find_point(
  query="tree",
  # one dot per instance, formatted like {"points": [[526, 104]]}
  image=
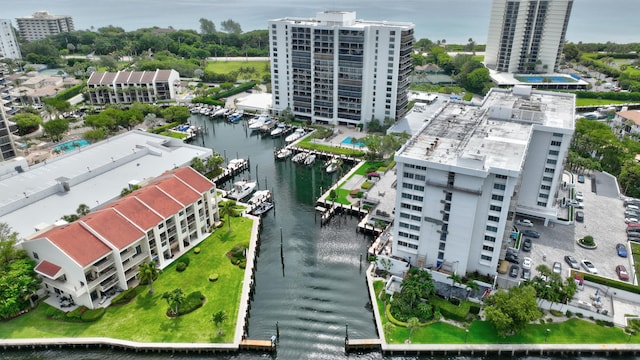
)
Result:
{"points": [[18, 280], [174, 299], [148, 272], [218, 319], [571, 52], [94, 135], [27, 123], [55, 128], [231, 27], [207, 27], [176, 114], [510, 311], [413, 324], [472, 285], [109, 62], [228, 208], [455, 279], [82, 210]]}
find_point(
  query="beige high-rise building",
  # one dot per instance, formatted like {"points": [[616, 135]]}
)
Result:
{"points": [[42, 24]]}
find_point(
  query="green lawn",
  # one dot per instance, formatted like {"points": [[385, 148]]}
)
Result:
{"points": [[144, 318], [225, 67], [598, 102], [572, 331], [361, 170]]}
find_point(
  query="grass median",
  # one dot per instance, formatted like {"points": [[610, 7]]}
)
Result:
{"points": [[144, 319]]}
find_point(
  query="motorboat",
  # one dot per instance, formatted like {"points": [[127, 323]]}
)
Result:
{"points": [[241, 189], [227, 112], [298, 158], [259, 196], [309, 160], [333, 165], [253, 120], [259, 122], [262, 208], [278, 130], [235, 163], [219, 112], [236, 116], [267, 126], [297, 134], [283, 153]]}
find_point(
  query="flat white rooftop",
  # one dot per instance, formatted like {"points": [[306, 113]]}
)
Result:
{"points": [[93, 175], [342, 19], [495, 134]]}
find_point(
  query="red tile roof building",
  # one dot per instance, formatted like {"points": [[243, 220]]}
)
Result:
{"points": [[101, 251], [131, 86]]}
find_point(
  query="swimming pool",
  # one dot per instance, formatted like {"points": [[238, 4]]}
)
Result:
{"points": [[347, 141], [547, 79], [71, 145]]}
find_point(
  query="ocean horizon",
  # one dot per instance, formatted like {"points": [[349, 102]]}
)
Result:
{"points": [[453, 20]]}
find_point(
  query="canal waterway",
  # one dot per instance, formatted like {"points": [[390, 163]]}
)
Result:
{"points": [[312, 292]]}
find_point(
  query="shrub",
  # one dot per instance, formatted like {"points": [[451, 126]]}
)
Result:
{"points": [[604, 323], [196, 250], [366, 185], [568, 314], [180, 267], [587, 241], [557, 313], [474, 309], [76, 314], [185, 260], [242, 264], [192, 302], [454, 301], [549, 320], [124, 297], [93, 315], [580, 315], [213, 277]]}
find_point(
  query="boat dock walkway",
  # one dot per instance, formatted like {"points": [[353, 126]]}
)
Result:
{"points": [[238, 167]]}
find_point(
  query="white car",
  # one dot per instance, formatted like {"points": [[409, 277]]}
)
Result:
{"points": [[526, 263], [588, 265], [579, 196], [630, 220], [524, 222]]}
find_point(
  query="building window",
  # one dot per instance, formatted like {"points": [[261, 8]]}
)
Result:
{"points": [[556, 143], [487, 248], [408, 175], [490, 238], [421, 177], [404, 215], [407, 186], [35, 255], [499, 186], [497, 197], [495, 208], [552, 161], [493, 218], [418, 187], [486, 257], [498, 176], [542, 203], [492, 228], [417, 198], [440, 255], [549, 170], [557, 134], [554, 152]]}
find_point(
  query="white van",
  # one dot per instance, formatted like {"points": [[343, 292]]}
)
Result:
{"points": [[633, 207]]}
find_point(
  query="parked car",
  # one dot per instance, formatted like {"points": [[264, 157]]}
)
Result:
{"points": [[524, 222], [527, 244], [526, 263], [622, 273], [531, 233], [579, 196], [631, 201], [576, 204], [557, 267], [526, 274], [632, 213], [512, 258], [514, 270], [573, 263], [580, 216], [621, 249], [629, 220], [581, 179], [588, 265]]}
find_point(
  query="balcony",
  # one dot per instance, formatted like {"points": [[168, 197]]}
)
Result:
{"points": [[102, 277], [108, 284], [103, 264], [135, 261]]}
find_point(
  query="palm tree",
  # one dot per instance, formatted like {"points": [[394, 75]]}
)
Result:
{"points": [[83, 209], [219, 318], [455, 279], [472, 285], [229, 209], [413, 323], [147, 272], [174, 299]]}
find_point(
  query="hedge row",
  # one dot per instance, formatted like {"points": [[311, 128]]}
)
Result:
{"points": [[79, 314], [207, 100], [70, 92], [159, 129], [451, 311], [236, 90], [611, 95], [124, 297], [612, 283]]}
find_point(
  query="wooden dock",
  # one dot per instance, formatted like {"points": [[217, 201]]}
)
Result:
{"points": [[362, 345], [230, 172], [258, 345]]}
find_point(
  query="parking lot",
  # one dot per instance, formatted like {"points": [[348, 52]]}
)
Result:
{"points": [[603, 219]]}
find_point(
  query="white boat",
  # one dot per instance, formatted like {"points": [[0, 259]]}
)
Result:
{"points": [[241, 189], [333, 165], [262, 208], [253, 120], [278, 130], [227, 112], [309, 160], [236, 116], [235, 163], [219, 112], [298, 158], [256, 125], [259, 196], [283, 153], [297, 134]]}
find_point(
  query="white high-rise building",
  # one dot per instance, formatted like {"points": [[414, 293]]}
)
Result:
{"points": [[339, 70], [462, 178], [527, 36], [42, 24], [8, 43]]}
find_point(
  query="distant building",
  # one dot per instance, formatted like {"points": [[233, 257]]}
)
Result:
{"points": [[42, 24], [8, 43], [103, 250], [527, 36], [124, 87], [627, 122], [462, 179], [339, 70]]}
